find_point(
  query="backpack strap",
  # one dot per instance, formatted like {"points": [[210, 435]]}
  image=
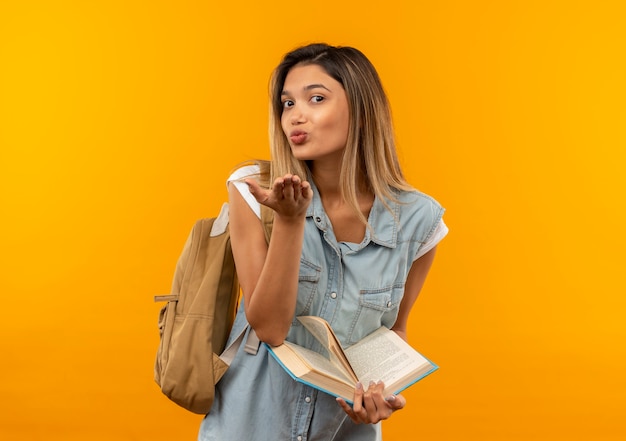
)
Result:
{"points": [[252, 343], [251, 346], [166, 298], [221, 221], [229, 353]]}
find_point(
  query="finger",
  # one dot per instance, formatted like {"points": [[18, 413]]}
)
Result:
{"points": [[347, 409], [288, 187], [296, 183], [277, 188], [305, 190], [369, 403], [378, 408], [383, 408], [357, 407]]}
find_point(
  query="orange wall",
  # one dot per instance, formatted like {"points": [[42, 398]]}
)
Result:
{"points": [[119, 122]]}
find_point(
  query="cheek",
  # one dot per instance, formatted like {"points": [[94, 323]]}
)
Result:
{"points": [[284, 125], [342, 127]]}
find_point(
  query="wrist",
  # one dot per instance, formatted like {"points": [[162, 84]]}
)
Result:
{"points": [[288, 220]]}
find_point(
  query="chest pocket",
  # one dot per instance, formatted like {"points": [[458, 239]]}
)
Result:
{"points": [[308, 280], [377, 307]]}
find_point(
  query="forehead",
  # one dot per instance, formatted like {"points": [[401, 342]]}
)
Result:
{"points": [[301, 76]]}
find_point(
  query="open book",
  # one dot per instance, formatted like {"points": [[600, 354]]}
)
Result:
{"points": [[382, 355]]}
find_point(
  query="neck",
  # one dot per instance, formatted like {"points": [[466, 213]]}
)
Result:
{"points": [[326, 178]]}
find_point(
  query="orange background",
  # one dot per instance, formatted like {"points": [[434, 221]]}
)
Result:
{"points": [[119, 122]]}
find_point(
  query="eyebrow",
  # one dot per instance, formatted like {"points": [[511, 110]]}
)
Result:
{"points": [[309, 87]]}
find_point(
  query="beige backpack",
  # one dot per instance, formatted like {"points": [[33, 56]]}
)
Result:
{"points": [[196, 321]]}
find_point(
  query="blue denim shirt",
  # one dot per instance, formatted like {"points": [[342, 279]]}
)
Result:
{"points": [[356, 288]]}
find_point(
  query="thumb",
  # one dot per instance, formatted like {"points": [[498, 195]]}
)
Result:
{"points": [[257, 191], [396, 401]]}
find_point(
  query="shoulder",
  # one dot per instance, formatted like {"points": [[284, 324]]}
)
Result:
{"points": [[244, 172], [414, 201], [413, 197], [419, 212], [237, 177]]}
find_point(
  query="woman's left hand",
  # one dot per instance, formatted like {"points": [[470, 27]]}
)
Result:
{"points": [[371, 406]]}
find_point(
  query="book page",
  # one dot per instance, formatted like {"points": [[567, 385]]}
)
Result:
{"points": [[383, 355], [320, 363], [318, 329], [321, 330]]}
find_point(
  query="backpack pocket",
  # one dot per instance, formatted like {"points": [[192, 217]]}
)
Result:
{"points": [[165, 331]]}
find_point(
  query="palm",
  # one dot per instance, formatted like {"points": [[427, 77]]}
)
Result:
{"points": [[289, 196]]}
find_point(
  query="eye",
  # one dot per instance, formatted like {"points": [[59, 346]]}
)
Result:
{"points": [[317, 98], [287, 104]]}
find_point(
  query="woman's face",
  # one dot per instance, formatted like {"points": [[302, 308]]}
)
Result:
{"points": [[315, 115]]}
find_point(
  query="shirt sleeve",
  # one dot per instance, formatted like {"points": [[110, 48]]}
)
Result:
{"points": [[237, 179], [441, 230]]}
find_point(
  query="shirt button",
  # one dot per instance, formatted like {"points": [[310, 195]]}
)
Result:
{"points": [[388, 304], [307, 399], [299, 437], [318, 219], [333, 295]]}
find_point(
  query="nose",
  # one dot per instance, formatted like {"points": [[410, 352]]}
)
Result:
{"points": [[296, 116]]}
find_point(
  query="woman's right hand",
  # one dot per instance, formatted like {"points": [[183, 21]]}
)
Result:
{"points": [[268, 274], [289, 196]]}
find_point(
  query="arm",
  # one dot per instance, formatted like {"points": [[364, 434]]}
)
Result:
{"points": [[371, 406], [414, 283], [269, 275]]}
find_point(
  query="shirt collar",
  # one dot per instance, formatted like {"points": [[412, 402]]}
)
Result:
{"points": [[382, 220]]}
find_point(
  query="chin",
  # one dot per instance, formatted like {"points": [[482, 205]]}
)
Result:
{"points": [[299, 154]]}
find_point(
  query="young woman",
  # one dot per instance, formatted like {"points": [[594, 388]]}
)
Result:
{"points": [[352, 242]]}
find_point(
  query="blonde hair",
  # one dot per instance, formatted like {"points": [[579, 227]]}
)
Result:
{"points": [[370, 151]]}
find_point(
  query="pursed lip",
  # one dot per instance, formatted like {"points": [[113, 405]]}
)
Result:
{"points": [[298, 136]]}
